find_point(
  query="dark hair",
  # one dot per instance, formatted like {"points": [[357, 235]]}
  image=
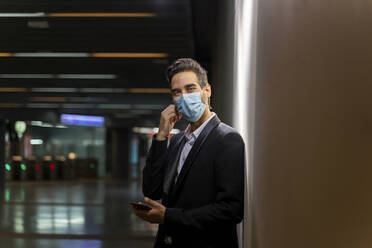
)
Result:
{"points": [[187, 64]]}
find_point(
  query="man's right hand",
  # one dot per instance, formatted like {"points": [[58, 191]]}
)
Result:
{"points": [[168, 118]]}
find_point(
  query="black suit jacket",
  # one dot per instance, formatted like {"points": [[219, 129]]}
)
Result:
{"points": [[207, 200]]}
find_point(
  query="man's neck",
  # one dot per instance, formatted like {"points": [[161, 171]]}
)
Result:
{"points": [[194, 125]]}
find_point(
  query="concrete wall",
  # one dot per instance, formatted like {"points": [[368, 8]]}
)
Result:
{"points": [[313, 129]]}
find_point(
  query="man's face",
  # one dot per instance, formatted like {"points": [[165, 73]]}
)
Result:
{"points": [[187, 82]]}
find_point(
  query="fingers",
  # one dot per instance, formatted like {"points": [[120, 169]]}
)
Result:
{"points": [[141, 213], [169, 112], [168, 118], [171, 115], [152, 203]]}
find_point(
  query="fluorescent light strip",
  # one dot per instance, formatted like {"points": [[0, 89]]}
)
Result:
{"points": [[13, 89], [101, 14], [86, 76], [89, 90], [59, 76], [85, 55], [42, 14], [46, 125], [79, 106], [102, 90], [48, 99], [42, 105], [27, 76], [66, 55], [114, 106], [60, 90], [130, 55], [11, 105], [38, 14], [149, 90], [36, 142], [36, 123], [89, 99], [5, 54], [60, 126], [149, 106]]}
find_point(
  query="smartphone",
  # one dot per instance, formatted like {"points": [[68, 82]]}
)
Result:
{"points": [[140, 206]]}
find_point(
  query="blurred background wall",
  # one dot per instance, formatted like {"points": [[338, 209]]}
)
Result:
{"points": [[312, 185]]}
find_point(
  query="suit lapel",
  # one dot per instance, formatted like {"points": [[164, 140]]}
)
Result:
{"points": [[194, 152], [173, 162]]}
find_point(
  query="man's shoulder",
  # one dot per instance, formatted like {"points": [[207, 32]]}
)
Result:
{"points": [[224, 131]]}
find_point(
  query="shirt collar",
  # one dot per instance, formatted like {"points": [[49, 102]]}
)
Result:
{"points": [[192, 136]]}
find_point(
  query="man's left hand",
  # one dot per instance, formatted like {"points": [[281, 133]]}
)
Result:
{"points": [[155, 215]]}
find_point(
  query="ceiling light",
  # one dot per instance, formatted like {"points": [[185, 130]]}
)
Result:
{"points": [[5, 54], [11, 105], [78, 106], [59, 76], [130, 55], [64, 90], [49, 54], [86, 76], [37, 14], [42, 105], [60, 126], [36, 142], [88, 99], [36, 123], [13, 89], [27, 76], [102, 90], [85, 55], [149, 106], [47, 125], [149, 90], [114, 106], [101, 14], [42, 14], [48, 99]]}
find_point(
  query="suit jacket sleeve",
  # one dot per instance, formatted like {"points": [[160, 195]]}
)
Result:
{"points": [[153, 173], [229, 205]]}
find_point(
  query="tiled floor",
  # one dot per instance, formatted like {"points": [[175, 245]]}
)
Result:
{"points": [[72, 214]]}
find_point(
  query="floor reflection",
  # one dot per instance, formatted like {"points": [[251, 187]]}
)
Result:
{"points": [[73, 214]]}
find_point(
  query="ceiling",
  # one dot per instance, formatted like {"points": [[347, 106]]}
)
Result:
{"points": [[96, 57]]}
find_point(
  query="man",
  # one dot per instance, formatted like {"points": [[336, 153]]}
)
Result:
{"points": [[199, 176]]}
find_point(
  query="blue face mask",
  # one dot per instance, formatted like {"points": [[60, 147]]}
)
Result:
{"points": [[191, 106]]}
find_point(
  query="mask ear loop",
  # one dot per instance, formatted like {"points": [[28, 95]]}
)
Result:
{"points": [[209, 100]]}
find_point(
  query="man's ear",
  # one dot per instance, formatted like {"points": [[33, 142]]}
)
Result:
{"points": [[208, 90]]}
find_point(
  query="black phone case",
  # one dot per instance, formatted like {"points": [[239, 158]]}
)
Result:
{"points": [[140, 206]]}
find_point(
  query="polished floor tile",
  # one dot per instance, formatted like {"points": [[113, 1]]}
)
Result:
{"points": [[72, 214]]}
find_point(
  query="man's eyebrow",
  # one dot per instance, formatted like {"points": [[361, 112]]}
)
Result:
{"points": [[186, 86], [189, 85]]}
